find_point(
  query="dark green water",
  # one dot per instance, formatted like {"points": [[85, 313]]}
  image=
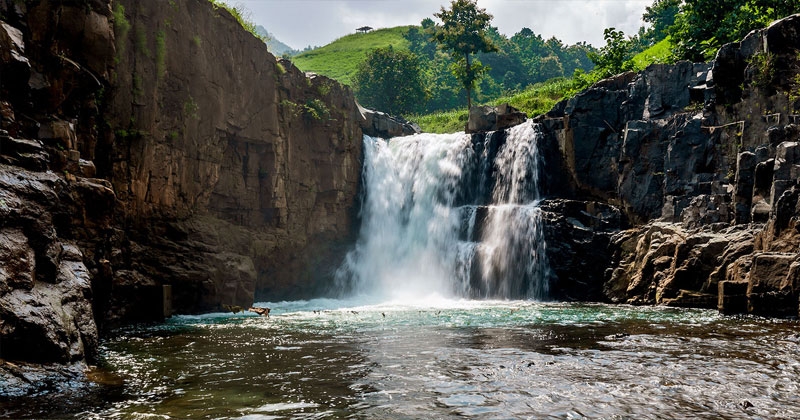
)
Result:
{"points": [[449, 360]]}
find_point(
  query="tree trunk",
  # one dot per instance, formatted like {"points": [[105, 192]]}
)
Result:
{"points": [[468, 83]]}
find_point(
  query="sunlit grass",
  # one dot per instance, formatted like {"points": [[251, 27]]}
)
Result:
{"points": [[339, 60], [658, 53], [535, 100]]}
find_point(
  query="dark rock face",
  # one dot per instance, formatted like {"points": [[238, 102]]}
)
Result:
{"points": [[56, 217], [153, 158], [237, 173], [578, 234], [703, 159]]}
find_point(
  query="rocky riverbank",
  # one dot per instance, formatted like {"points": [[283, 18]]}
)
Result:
{"points": [[156, 158], [702, 161]]}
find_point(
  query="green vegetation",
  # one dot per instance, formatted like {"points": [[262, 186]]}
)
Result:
{"points": [[535, 100], [161, 54], [764, 66], [521, 61], [242, 15], [138, 86], [615, 56], [316, 109], [392, 81], [340, 59], [702, 26], [442, 121], [532, 73], [140, 40], [659, 53], [121, 29], [191, 109], [540, 97], [463, 33]]}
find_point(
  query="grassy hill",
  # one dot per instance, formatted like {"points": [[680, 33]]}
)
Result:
{"points": [[339, 60]]}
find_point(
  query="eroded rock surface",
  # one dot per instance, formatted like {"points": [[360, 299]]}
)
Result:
{"points": [[703, 160], [151, 150]]}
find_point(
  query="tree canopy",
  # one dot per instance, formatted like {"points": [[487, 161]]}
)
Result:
{"points": [[702, 26], [391, 80], [463, 33]]}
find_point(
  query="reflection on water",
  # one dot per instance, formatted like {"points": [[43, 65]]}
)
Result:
{"points": [[333, 359]]}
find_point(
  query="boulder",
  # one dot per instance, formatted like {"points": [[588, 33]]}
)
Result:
{"points": [[492, 118], [380, 124], [770, 289]]}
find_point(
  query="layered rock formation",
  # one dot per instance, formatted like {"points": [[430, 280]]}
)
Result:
{"points": [[238, 174], [56, 215], [703, 160], [154, 157]]}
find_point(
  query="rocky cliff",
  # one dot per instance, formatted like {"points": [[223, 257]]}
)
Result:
{"points": [[152, 149], [236, 172], [702, 159]]}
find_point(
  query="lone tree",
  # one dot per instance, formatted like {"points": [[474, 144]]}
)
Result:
{"points": [[463, 33]]}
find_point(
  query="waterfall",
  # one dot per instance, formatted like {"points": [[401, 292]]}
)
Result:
{"points": [[449, 215]]}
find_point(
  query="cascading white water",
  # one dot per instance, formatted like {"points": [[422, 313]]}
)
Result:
{"points": [[443, 215]]}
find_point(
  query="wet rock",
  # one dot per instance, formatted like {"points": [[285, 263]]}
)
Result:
{"points": [[732, 297], [28, 154], [19, 379], [745, 179], [666, 264], [692, 299], [578, 234], [50, 322]]}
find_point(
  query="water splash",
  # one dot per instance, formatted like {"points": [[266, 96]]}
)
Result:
{"points": [[451, 216]]}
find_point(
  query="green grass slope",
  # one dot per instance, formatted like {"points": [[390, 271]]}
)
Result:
{"points": [[339, 60], [534, 100], [661, 52]]}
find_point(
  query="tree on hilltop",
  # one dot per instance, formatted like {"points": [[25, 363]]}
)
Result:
{"points": [[463, 33]]}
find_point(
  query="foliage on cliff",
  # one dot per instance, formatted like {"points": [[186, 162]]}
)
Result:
{"points": [[242, 15], [702, 26]]}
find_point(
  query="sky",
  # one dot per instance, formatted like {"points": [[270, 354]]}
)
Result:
{"points": [[300, 23]]}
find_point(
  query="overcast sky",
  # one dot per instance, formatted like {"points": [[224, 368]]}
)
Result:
{"points": [[300, 23]]}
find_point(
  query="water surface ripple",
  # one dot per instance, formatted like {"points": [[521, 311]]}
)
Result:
{"points": [[452, 359]]}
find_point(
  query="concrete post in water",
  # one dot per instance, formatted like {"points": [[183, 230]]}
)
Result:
{"points": [[167, 300]]}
